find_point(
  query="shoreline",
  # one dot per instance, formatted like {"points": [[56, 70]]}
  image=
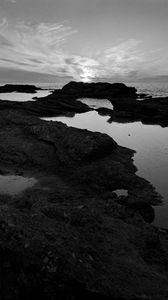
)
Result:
{"points": [[126, 104], [71, 233]]}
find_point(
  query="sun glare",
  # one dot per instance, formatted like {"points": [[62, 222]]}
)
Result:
{"points": [[87, 76]]}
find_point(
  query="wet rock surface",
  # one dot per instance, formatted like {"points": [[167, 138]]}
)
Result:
{"points": [[70, 236]]}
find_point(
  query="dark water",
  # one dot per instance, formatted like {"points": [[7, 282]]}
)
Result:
{"points": [[150, 143]]}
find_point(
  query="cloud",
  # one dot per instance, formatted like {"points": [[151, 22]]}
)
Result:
{"points": [[43, 48], [39, 46], [123, 58], [127, 59], [86, 67], [11, 1]]}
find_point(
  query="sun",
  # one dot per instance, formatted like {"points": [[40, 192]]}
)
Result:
{"points": [[87, 75]]}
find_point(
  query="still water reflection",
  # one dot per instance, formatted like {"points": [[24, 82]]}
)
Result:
{"points": [[96, 103], [14, 96], [13, 185], [150, 143]]}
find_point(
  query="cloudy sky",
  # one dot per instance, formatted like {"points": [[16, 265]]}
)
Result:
{"points": [[84, 39]]}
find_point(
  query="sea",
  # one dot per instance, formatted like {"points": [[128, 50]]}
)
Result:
{"points": [[149, 141], [154, 89]]}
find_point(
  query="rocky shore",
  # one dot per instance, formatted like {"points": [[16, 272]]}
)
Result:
{"points": [[19, 88], [70, 236], [126, 104]]}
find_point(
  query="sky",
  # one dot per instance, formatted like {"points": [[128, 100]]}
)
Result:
{"points": [[84, 39]]}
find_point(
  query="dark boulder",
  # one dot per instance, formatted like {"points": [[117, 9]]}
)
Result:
{"points": [[99, 90], [20, 88]]}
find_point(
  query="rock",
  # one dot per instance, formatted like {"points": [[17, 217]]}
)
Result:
{"points": [[56, 104], [68, 237], [20, 88], [126, 106], [95, 253], [148, 213], [103, 111], [28, 140], [99, 90]]}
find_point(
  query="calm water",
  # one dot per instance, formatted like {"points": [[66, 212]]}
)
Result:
{"points": [[121, 192], [13, 185], [95, 103], [150, 143], [14, 96], [155, 89]]}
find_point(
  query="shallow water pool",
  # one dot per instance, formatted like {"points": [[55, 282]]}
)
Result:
{"points": [[96, 103], [14, 96], [150, 143], [14, 184]]}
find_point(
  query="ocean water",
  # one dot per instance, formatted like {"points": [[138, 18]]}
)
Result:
{"points": [[154, 89]]}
